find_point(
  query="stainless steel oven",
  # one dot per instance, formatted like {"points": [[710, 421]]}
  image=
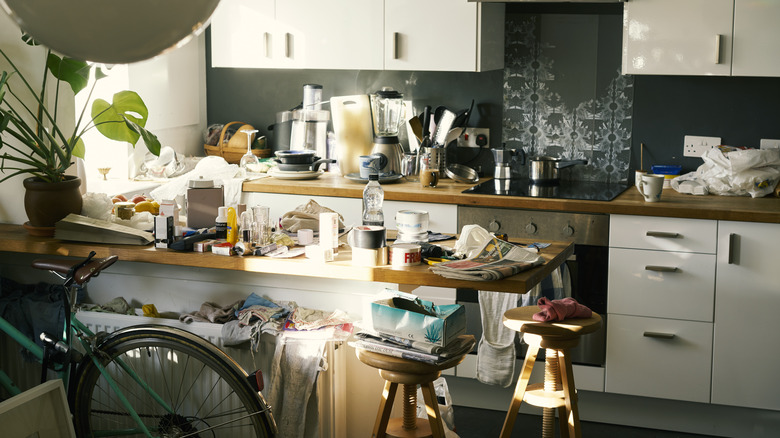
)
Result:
{"points": [[588, 265]]}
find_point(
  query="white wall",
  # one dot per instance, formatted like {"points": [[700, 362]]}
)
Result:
{"points": [[30, 60]]}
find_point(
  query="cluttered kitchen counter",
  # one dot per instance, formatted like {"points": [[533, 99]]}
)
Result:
{"points": [[630, 202], [13, 238]]}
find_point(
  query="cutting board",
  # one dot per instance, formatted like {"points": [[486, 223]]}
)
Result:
{"points": [[353, 130]]}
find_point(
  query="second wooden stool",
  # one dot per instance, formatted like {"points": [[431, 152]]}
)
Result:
{"points": [[409, 373], [558, 390]]}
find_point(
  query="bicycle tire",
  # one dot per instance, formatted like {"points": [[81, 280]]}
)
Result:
{"points": [[207, 390]]}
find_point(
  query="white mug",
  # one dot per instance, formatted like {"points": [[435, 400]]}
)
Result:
{"points": [[651, 186], [638, 174]]}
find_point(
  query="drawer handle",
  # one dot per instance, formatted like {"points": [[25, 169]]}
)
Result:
{"points": [[661, 268], [663, 234], [659, 335]]}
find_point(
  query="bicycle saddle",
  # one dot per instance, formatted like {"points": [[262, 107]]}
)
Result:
{"points": [[82, 274]]}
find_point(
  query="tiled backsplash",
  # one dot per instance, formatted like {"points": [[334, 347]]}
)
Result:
{"points": [[565, 97]]}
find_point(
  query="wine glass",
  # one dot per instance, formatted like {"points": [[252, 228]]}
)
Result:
{"points": [[249, 161]]}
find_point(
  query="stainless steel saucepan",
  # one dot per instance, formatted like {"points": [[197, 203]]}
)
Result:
{"points": [[545, 170]]}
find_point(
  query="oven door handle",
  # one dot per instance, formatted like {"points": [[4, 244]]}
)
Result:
{"points": [[662, 268], [658, 335]]}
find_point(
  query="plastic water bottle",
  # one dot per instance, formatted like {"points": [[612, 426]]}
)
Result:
{"points": [[373, 196]]}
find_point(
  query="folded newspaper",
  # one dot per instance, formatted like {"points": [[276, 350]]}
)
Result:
{"points": [[498, 259]]}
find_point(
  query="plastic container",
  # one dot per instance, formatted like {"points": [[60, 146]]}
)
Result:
{"points": [[669, 171]]}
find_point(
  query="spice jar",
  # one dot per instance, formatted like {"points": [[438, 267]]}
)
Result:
{"points": [[124, 210]]}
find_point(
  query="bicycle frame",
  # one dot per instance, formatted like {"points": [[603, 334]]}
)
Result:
{"points": [[77, 328]]}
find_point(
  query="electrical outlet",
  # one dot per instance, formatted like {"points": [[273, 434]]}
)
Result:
{"points": [[696, 146], [474, 138], [769, 144]]}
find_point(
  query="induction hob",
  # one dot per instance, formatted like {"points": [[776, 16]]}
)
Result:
{"points": [[583, 190]]}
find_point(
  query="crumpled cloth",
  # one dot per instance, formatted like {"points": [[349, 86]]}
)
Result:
{"points": [[117, 305], [306, 216], [312, 319], [210, 312], [558, 310]]}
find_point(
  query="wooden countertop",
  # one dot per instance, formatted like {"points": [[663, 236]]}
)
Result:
{"points": [[13, 238], [672, 204]]}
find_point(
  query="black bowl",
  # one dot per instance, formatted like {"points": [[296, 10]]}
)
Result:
{"points": [[296, 157]]}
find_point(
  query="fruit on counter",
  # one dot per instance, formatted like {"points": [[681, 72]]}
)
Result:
{"points": [[138, 198], [119, 198], [152, 207]]}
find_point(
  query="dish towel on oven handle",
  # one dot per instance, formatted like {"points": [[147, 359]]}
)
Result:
{"points": [[496, 350]]}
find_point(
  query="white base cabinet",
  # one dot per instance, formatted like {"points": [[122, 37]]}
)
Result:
{"points": [[747, 316]]}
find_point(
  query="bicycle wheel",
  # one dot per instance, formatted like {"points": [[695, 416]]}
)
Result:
{"points": [[206, 392]]}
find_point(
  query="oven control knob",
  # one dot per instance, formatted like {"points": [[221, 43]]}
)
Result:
{"points": [[530, 228], [568, 231], [494, 226]]}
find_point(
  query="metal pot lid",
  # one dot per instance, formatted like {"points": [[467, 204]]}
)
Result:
{"points": [[296, 153], [462, 174]]}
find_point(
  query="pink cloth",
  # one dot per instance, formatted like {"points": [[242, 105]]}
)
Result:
{"points": [[558, 310]]}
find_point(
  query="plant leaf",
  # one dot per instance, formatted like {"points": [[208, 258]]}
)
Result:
{"points": [[79, 149], [110, 119], [72, 71], [150, 140]]}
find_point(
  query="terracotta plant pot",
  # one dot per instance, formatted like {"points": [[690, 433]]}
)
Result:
{"points": [[46, 203]]}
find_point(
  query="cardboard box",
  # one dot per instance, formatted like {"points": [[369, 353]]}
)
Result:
{"points": [[203, 205], [448, 324]]}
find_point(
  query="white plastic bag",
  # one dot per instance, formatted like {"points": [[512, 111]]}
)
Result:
{"points": [[472, 239], [447, 413], [737, 172]]}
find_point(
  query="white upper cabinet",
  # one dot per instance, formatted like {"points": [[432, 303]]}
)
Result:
{"points": [[242, 34], [333, 34], [672, 37], [443, 35], [756, 38], [701, 37]]}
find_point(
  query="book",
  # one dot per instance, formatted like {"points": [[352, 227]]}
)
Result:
{"points": [[461, 346], [80, 228]]}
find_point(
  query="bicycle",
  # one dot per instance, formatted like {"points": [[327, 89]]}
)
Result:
{"points": [[144, 380]]}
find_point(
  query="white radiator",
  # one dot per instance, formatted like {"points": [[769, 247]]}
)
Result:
{"points": [[331, 384]]}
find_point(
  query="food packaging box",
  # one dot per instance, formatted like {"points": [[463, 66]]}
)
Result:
{"points": [[203, 205], [163, 231], [447, 323]]}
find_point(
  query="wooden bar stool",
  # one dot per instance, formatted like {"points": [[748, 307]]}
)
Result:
{"points": [[409, 373], [558, 390]]}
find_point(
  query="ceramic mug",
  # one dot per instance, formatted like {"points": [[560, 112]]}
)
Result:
{"points": [[638, 178], [369, 164], [651, 186]]}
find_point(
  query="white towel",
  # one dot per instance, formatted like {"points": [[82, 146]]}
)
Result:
{"points": [[496, 349]]}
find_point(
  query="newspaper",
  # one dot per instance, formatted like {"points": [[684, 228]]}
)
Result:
{"points": [[498, 259]]}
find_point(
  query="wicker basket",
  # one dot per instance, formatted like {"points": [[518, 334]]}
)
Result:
{"points": [[233, 154]]}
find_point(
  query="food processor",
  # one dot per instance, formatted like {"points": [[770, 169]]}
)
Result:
{"points": [[387, 108]]}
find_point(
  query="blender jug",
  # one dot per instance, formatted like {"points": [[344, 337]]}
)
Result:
{"points": [[387, 107]]}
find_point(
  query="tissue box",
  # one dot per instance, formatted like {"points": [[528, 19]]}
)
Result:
{"points": [[440, 330]]}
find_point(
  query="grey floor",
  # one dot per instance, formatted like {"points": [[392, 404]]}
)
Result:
{"points": [[478, 423]]}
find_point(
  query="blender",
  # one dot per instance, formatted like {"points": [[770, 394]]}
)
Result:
{"points": [[310, 123], [387, 107]]}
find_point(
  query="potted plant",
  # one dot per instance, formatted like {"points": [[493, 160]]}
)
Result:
{"points": [[33, 142]]}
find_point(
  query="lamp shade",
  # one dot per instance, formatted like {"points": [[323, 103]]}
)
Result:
{"points": [[111, 31]]}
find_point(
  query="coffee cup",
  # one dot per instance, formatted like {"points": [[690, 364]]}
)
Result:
{"points": [[638, 178], [651, 186], [429, 177], [369, 164]]}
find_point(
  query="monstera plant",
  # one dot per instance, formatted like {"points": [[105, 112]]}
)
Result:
{"points": [[32, 140]]}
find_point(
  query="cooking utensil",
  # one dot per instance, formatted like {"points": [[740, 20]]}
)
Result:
{"points": [[462, 117], [545, 170], [426, 123], [417, 128], [462, 174], [443, 128]]}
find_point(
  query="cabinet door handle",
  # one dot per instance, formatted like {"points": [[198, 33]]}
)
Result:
{"points": [[266, 39], [287, 44], [659, 335], [733, 258], [395, 45], [717, 49], [661, 268], [662, 234]]}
